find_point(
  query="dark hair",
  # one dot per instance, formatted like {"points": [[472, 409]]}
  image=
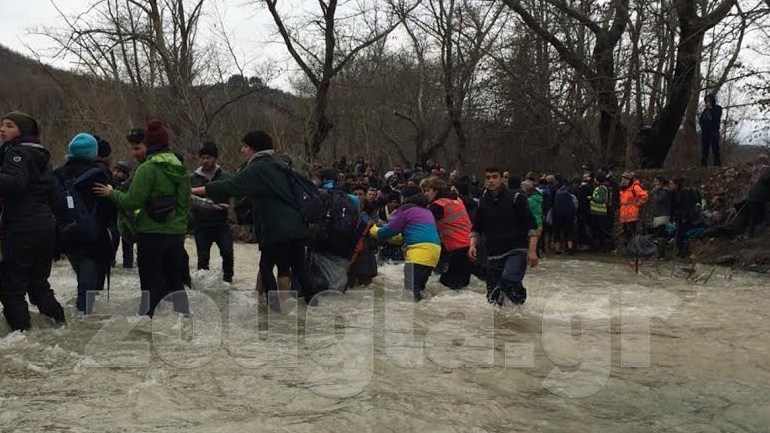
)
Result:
{"points": [[358, 187], [493, 170], [409, 191], [463, 187], [661, 179], [258, 140], [679, 182], [209, 148]]}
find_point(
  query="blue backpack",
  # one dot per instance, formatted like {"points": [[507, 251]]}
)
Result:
{"points": [[76, 223]]}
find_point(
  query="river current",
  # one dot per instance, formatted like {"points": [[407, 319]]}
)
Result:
{"points": [[597, 347]]}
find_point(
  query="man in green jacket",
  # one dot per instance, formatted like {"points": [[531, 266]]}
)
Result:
{"points": [[160, 189], [283, 232]]}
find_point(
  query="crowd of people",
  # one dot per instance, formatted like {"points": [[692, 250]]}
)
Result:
{"points": [[328, 230]]}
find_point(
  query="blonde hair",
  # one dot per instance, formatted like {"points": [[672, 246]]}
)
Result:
{"points": [[435, 183]]}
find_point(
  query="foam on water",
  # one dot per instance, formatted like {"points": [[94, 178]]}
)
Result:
{"points": [[373, 360]]}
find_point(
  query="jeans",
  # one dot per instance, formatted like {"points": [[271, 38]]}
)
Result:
{"points": [[416, 277], [505, 276], [223, 237], [161, 271], [87, 273], [710, 142], [24, 270]]}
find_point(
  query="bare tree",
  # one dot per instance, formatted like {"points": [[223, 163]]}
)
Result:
{"points": [[599, 70], [654, 143], [343, 38]]}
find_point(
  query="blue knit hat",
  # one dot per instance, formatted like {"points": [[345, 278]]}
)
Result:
{"points": [[83, 146]]}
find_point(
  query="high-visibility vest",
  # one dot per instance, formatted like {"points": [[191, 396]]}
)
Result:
{"points": [[600, 208], [455, 228]]}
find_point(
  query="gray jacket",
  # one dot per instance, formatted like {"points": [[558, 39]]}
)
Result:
{"points": [[661, 202]]}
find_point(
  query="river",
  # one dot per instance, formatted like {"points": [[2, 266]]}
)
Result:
{"points": [[596, 347]]}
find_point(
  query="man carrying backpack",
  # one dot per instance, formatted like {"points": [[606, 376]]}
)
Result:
{"points": [[212, 225], [283, 232], [83, 219], [340, 218]]}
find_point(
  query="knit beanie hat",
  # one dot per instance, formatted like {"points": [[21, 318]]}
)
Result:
{"points": [[209, 149], [156, 135], [258, 140], [124, 167], [26, 123], [83, 147]]}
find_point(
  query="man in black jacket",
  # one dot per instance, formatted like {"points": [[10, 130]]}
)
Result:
{"points": [[212, 225], [29, 227], [504, 217], [710, 120]]}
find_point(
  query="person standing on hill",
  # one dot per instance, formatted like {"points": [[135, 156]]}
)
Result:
{"points": [[710, 120], [212, 225], [29, 236]]}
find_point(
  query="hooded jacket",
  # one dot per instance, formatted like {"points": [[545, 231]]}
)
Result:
{"points": [[27, 186], [264, 180], [160, 175], [415, 222], [631, 201]]}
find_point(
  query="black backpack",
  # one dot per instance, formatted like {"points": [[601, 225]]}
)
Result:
{"points": [[330, 215], [336, 231], [76, 223]]}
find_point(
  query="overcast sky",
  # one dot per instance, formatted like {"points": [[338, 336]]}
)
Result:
{"points": [[252, 30]]}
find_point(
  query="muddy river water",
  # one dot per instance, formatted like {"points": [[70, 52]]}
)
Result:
{"points": [[597, 347]]}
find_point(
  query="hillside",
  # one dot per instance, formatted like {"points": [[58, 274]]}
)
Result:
{"points": [[66, 103]]}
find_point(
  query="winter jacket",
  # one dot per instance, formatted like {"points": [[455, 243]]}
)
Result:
{"points": [[506, 221], [27, 186], [563, 205], [267, 184], [661, 202], [105, 210], [584, 193], [600, 200], [535, 201], [209, 217], [631, 201], [710, 120], [160, 175], [418, 227]]}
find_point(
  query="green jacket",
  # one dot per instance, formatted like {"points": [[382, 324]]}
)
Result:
{"points": [[536, 207], [161, 174], [268, 186]]}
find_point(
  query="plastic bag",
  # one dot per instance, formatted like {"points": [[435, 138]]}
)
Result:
{"points": [[643, 246], [327, 271]]}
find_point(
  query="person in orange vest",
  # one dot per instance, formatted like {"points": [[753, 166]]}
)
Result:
{"points": [[454, 229], [632, 198]]}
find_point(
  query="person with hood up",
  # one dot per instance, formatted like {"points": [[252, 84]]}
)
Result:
{"points": [[29, 237], [212, 225], [160, 189], [632, 198], [89, 259], [710, 121], [454, 229], [417, 225]]}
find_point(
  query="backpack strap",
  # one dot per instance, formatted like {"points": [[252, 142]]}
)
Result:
{"points": [[83, 177]]}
